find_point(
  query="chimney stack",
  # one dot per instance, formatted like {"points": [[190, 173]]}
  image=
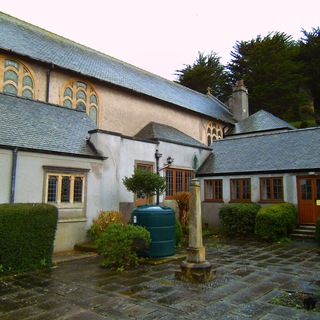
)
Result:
{"points": [[239, 102]]}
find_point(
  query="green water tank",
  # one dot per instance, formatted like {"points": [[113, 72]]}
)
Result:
{"points": [[160, 222]]}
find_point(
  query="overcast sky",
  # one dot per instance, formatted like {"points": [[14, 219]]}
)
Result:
{"points": [[163, 36]]}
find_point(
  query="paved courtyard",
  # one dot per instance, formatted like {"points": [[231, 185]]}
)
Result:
{"points": [[250, 279]]}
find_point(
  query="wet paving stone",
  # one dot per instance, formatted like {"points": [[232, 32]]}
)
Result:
{"points": [[249, 276]]}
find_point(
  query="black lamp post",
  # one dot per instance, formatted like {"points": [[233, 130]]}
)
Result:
{"points": [[170, 160]]}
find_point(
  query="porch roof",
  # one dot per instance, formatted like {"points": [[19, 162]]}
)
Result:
{"points": [[42, 127], [286, 151], [53, 49], [159, 132]]}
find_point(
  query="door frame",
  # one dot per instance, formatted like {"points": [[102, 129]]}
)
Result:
{"points": [[309, 209]]}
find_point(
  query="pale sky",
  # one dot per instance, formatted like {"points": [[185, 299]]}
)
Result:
{"points": [[163, 36]]}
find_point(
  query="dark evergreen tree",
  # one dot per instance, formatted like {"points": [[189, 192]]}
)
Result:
{"points": [[309, 55], [206, 74], [270, 71]]}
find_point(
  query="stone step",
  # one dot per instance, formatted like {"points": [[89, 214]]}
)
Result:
{"points": [[304, 233]]}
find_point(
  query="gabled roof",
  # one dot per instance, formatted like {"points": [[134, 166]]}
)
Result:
{"points": [[159, 132], [259, 122], [42, 127], [28, 40], [291, 150]]}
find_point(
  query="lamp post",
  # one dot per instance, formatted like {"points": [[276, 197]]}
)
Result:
{"points": [[170, 160]]}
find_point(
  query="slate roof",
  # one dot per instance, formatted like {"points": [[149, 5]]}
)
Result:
{"points": [[159, 132], [30, 124], [39, 44], [258, 122], [285, 151]]}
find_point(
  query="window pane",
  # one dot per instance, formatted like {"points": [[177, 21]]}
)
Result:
{"points": [[67, 103], [81, 85], [218, 190], [265, 189], [81, 95], [52, 189], [93, 99], [9, 88], [27, 94], [11, 75], [246, 189], [68, 93], [179, 181], [277, 189], [209, 191], [65, 189], [27, 81], [11, 63], [77, 194], [169, 183], [306, 190], [81, 106], [235, 190]]}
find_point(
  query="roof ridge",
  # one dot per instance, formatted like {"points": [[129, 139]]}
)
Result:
{"points": [[265, 133]]}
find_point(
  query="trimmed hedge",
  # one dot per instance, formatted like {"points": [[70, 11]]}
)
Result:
{"points": [[27, 233], [318, 230], [239, 218], [276, 221], [120, 244]]}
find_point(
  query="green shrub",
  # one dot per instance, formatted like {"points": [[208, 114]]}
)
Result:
{"points": [[27, 233], [120, 244], [276, 221], [239, 218], [103, 220], [178, 233], [318, 230]]}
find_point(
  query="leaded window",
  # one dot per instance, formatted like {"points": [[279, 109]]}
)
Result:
{"points": [[65, 188], [214, 132], [81, 96], [16, 78]]}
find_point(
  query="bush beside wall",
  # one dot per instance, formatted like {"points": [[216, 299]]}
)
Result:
{"points": [[276, 221], [239, 218], [27, 233]]}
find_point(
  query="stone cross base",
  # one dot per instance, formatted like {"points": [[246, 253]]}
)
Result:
{"points": [[196, 272]]}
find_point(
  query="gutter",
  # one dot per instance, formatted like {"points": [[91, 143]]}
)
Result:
{"points": [[14, 174], [48, 82]]}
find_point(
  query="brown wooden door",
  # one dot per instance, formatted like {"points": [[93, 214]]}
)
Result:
{"points": [[140, 201], [308, 199]]}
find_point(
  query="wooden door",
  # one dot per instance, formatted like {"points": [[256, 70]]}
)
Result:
{"points": [[143, 200], [308, 199]]}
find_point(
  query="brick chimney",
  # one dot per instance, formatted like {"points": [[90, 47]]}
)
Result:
{"points": [[239, 103]]}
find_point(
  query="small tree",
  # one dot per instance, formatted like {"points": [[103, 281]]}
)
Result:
{"points": [[144, 182]]}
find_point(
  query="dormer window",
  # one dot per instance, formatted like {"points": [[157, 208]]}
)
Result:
{"points": [[214, 132]]}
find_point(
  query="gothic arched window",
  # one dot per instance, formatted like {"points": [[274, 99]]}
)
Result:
{"points": [[214, 132], [81, 96], [16, 78]]}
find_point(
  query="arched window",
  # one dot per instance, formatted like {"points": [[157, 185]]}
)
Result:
{"points": [[79, 95], [214, 132], [16, 78]]}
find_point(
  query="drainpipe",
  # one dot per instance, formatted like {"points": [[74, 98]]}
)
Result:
{"points": [[48, 81], [13, 175]]}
